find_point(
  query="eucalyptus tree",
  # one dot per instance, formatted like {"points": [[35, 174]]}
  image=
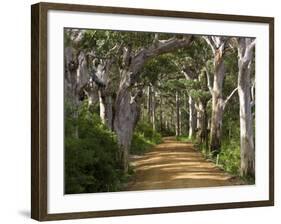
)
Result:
{"points": [[118, 56], [192, 62], [156, 72], [218, 45], [246, 48], [76, 72]]}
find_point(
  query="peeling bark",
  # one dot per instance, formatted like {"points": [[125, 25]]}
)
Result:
{"points": [[202, 123], [153, 109], [127, 113], [76, 77], [177, 125], [192, 117], [217, 45], [148, 104], [247, 150]]}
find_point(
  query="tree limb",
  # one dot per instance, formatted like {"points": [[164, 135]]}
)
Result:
{"points": [[209, 80], [197, 107], [97, 80], [229, 97], [211, 43], [163, 46], [248, 51]]}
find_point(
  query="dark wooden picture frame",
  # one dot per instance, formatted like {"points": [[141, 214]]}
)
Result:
{"points": [[39, 202]]}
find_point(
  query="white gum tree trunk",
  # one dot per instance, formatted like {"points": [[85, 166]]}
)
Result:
{"points": [[247, 148], [153, 109], [76, 77], [177, 125], [192, 117], [217, 45]]}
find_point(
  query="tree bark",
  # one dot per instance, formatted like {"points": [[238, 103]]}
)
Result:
{"points": [[76, 77], [202, 123], [149, 104], [217, 45], [127, 113], [247, 150], [106, 110], [161, 114], [153, 109], [192, 117], [177, 114]]}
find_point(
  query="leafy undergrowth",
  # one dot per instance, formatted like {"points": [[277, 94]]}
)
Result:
{"points": [[183, 138], [144, 138], [228, 159], [91, 158]]}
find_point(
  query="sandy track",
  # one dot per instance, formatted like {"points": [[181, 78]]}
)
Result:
{"points": [[174, 164]]}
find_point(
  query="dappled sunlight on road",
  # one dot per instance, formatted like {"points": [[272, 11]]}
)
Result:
{"points": [[175, 164]]}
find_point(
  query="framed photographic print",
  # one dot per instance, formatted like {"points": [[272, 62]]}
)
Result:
{"points": [[138, 111]]}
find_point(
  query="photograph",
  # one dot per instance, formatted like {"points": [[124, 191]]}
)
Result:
{"points": [[153, 111]]}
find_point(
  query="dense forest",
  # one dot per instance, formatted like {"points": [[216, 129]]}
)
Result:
{"points": [[125, 91]]}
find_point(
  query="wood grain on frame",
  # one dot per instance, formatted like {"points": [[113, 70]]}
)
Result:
{"points": [[39, 110]]}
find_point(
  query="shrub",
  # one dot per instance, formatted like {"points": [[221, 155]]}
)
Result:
{"points": [[139, 144], [148, 133], [91, 163], [229, 157], [183, 138], [144, 138]]}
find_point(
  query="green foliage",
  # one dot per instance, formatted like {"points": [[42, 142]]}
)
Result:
{"points": [[229, 158], [183, 138], [91, 163], [140, 144], [148, 132], [157, 67], [144, 138]]}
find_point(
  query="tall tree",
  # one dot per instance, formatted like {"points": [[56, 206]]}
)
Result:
{"points": [[177, 124], [247, 150], [126, 105], [218, 46]]}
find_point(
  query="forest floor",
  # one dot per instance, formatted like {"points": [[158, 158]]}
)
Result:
{"points": [[174, 164]]}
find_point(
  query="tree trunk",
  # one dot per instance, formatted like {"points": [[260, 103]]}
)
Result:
{"points": [[127, 112], [200, 122], [75, 78], [216, 123], [153, 108], [247, 150], [126, 108], [202, 133], [217, 103], [177, 126], [180, 123], [126, 116], [217, 45], [161, 114], [102, 106], [192, 117], [149, 104], [106, 112]]}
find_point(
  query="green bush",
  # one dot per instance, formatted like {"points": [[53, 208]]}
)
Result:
{"points": [[91, 163], [144, 138], [148, 133], [183, 138], [139, 144], [229, 156]]}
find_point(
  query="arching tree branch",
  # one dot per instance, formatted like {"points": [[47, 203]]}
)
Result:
{"points": [[229, 97]]}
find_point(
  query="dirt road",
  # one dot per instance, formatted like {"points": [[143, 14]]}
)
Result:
{"points": [[174, 164]]}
